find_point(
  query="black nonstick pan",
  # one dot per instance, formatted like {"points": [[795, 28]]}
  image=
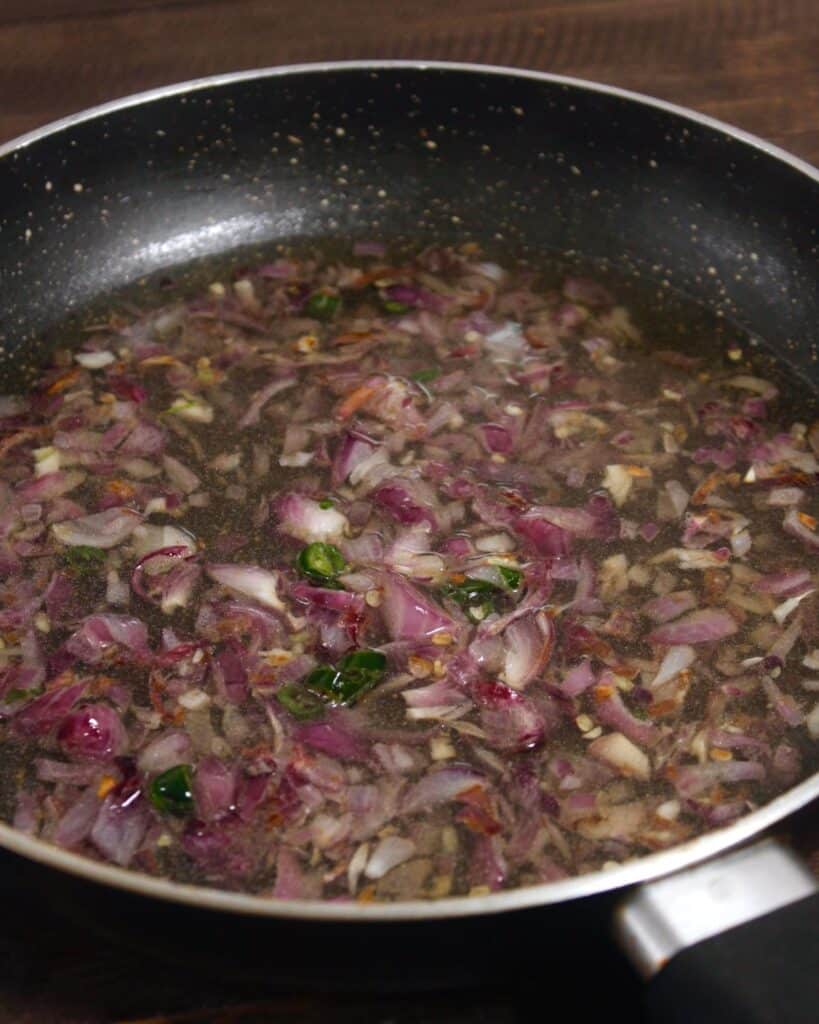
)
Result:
{"points": [[526, 164]]}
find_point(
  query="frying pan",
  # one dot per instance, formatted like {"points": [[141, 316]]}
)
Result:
{"points": [[526, 163]]}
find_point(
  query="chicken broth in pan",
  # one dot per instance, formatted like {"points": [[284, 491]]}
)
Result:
{"points": [[377, 578]]}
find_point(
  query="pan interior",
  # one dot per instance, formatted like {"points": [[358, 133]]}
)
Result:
{"points": [[585, 196]]}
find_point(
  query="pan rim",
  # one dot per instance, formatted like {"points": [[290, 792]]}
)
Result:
{"points": [[192, 85], [639, 870], [642, 869]]}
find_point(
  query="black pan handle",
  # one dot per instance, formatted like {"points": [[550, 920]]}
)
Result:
{"points": [[732, 941], [762, 972]]}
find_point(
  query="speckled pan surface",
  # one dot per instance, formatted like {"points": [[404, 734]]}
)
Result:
{"points": [[522, 161]]}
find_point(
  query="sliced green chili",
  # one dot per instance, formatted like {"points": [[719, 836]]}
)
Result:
{"points": [[425, 376], [511, 577], [322, 306], [172, 791], [356, 674], [321, 679], [14, 695], [360, 672], [478, 597], [300, 702], [470, 591], [321, 563]]}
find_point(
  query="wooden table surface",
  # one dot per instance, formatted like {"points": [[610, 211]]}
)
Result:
{"points": [[751, 62]]}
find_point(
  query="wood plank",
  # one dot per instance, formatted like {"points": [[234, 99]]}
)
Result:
{"points": [[749, 61]]}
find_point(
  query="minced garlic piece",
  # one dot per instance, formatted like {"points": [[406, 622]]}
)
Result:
{"points": [[306, 343], [613, 576], [442, 639], [440, 749], [618, 482]]}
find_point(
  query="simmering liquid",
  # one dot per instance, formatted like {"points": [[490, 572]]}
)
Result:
{"points": [[374, 578]]}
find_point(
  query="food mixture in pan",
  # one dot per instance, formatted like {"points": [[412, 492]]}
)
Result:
{"points": [[383, 580]]}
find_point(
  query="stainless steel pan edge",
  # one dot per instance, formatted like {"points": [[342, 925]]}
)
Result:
{"points": [[643, 869], [319, 67]]}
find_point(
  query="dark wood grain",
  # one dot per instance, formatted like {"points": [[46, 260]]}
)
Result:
{"points": [[754, 63]]}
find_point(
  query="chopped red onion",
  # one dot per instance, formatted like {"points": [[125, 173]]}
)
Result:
{"points": [[691, 780], [444, 422], [41, 715], [94, 732], [397, 499], [528, 641], [49, 770], [624, 756], [783, 703], [333, 739], [251, 416], [442, 785], [214, 788], [676, 660], [180, 475], [578, 679], [250, 581], [787, 583], [795, 524], [510, 720], [99, 634], [388, 854], [103, 530], [409, 615], [168, 749], [306, 520], [698, 627], [120, 825], [291, 882], [353, 450], [670, 606], [611, 710], [76, 824]]}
